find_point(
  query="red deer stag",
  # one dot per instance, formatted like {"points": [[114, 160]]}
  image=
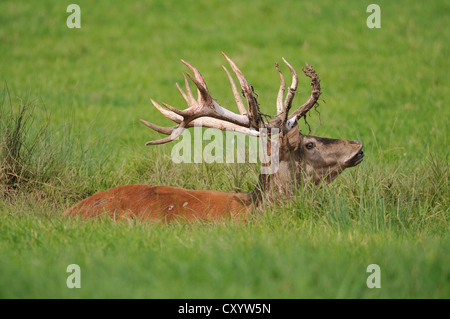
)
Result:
{"points": [[300, 156]]}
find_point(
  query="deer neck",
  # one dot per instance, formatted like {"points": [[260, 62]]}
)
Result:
{"points": [[279, 186], [282, 184]]}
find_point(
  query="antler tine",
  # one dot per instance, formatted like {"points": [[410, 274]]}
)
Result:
{"points": [[292, 89], [176, 132], [185, 97], [281, 91], [159, 129], [188, 97], [242, 81], [253, 108], [197, 74], [237, 97], [203, 94], [289, 96], [315, 94], [188, 89], [202, 89], [170, 115]]}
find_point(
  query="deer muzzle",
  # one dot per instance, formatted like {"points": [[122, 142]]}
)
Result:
{"points": [[358, 157]]}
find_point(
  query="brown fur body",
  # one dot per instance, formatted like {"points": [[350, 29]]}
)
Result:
{"points": [[164, 203]]}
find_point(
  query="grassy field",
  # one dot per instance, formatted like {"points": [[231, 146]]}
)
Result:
{"points": [[71, 100]]}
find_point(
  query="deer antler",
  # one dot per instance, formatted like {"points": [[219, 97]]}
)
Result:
{"points": [[247, 90], [205, 111], [206, 107], [283, 108], [315, 93], [283, 120]]}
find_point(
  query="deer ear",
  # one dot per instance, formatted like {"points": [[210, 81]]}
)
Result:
{"points": [[291, 141]]}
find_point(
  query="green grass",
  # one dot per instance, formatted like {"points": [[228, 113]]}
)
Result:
{"points": [[273, 258], [85, 90]]}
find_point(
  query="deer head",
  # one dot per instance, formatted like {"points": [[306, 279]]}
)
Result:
{"points": [[316, 158]]}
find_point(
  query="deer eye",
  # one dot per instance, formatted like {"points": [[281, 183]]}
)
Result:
{"points": [[309, 145]]}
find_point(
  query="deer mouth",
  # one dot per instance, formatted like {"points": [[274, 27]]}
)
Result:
{"points": [[356, 159]]}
